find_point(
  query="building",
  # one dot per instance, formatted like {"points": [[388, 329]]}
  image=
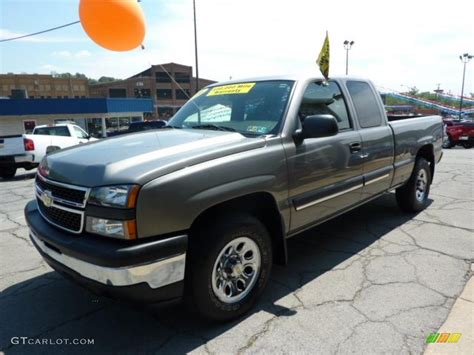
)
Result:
{"points": [[168, 95], [100, 117], [41, 86]]}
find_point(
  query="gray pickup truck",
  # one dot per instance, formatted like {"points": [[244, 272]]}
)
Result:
{"points": [[201, 209]]}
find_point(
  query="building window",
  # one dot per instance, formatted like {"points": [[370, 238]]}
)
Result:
{"points": [[182, 77], [163, 94], [29, 126], [165, 113], [182, 94], [139, 93], [94, 127], [115, 125], [162, 77], [66, 97], [117, 93]]}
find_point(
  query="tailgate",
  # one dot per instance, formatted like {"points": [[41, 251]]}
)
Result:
{"points": [[11, 145]]}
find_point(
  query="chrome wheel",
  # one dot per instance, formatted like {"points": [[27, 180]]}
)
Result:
{"points": [[421, 185], [236, 270]]}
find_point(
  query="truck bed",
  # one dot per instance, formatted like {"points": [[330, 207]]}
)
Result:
{"points": [[411, 133]]}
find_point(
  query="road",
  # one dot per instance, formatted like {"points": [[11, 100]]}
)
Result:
{"points": [[374, 280]]}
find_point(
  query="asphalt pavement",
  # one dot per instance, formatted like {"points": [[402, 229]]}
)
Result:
{"points": [[375, 280]]}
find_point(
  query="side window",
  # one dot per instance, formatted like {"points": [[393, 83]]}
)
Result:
{"points": [[325, 98], [365, 104], [79, 133]]}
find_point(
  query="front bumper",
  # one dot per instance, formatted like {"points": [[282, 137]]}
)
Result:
{"points": [[141, 271]]}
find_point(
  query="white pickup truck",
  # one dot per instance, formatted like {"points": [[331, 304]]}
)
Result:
{"points": [[27, 150]]}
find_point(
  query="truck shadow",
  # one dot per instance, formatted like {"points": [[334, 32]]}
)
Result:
{"points": [[49, 307], [20, 175]]}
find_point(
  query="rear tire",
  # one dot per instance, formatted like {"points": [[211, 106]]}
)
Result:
{"points": [[413, 196], [228, 267], [8, 172]]}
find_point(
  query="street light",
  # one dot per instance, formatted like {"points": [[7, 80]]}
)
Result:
{"points": [[347, 47], [465, 58], [196, 47]]}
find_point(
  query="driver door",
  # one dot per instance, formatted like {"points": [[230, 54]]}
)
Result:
{"points": [[325, 174]]}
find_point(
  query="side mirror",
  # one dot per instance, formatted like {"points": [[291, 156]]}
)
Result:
{"points": [[317, 126]]}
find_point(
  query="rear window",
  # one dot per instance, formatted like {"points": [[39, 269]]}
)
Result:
{"points": [[53, 131], [365, 104]]}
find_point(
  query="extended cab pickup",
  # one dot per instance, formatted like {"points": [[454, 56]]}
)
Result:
{"points": [[27, 150], [202, 208]]}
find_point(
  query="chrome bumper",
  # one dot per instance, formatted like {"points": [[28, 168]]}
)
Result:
{"points": [[156, 274], [26, 158]]}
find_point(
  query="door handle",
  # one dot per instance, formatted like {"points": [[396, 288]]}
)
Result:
{"points": [[355, 147]]}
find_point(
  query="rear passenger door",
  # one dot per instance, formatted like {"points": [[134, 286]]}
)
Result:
{"points": [[377, 138]]}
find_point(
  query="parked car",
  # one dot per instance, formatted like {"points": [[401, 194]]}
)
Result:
{"points": [[140, 126], [201, 210], [27, 150], [459, 132]]}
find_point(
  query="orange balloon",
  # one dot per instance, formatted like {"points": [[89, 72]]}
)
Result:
{"points": [[118, 25]]}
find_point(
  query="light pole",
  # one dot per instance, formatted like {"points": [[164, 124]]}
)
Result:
{"points": [[347, 47], [465, 58], [196, 47]]}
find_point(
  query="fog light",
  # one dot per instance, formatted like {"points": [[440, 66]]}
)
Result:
{"points": [[112, 228]]}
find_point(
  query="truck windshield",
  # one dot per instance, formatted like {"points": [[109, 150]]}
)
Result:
{"points": [[250, 108]]}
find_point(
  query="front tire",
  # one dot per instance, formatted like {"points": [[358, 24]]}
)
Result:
{"points": [[228, 267], [413, 196], [8, 172]]}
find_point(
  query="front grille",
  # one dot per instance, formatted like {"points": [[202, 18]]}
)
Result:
{"points": [[68, 220], [64, 193], [61, 204]]}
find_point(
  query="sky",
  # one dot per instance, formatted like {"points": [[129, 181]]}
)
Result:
{"points": [[398, 44]]}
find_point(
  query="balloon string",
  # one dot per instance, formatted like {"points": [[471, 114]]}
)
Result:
{"points": [[148, 59], [40, 32]]}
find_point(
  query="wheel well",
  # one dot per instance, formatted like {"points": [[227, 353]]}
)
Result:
{"points": [[262, 205], [426, 152]]}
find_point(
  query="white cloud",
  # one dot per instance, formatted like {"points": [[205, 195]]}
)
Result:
{"points": [[69, 55], [41, 38], [65, 54], [50, 68], [82, 54]]}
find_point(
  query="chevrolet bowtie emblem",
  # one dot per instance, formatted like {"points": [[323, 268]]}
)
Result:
{"points": [[47, 198]]}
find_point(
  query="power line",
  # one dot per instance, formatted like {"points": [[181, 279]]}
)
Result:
{"points": [[40, 32]]}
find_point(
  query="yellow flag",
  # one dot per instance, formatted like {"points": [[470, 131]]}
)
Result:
{"points": [[323, 58]]}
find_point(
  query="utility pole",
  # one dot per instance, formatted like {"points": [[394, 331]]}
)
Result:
{"points": [[347, 47], [196, 47], [465, 58]]}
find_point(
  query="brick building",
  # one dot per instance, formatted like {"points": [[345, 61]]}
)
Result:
{"points": [[41, 86], [156, 84]]}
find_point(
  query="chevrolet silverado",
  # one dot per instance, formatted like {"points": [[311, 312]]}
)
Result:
{"points": [[201, 209]]}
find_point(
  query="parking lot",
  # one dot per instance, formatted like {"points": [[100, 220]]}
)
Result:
{"points": [[372, 281]]}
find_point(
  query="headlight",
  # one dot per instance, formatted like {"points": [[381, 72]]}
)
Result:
{"points": [[121, 196], [112, 228]]}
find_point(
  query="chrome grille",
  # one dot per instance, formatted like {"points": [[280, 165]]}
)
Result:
{"points": [[70, 221], [61, 204]]}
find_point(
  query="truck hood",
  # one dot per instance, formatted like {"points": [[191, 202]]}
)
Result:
{"points": [[141, 157]]}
